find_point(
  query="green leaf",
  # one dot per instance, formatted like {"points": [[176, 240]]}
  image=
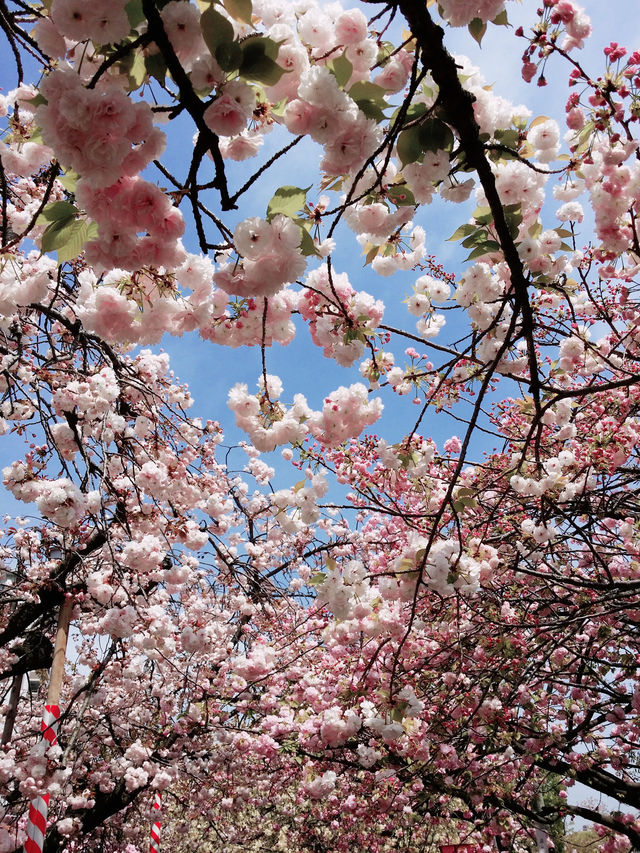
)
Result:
{"points": [[57, 210], [135, 67], [513, 217], [513, 223], [77, 236], [435, 135], [413, 112], [69, 180], [370, 109], [279, 107], [67, 237], [475, 238], [400, 195], [371, 254], [483, 215], [258, 61], [134, 13], [262, 70], [462, 231], [509, 137], [271, 47], [353, 335], [307, 246], [370, 91], [486, 248], [465, 492], [56, 234], [229, 56], [384, 51], [370, 99], [36, 136], [409, 145], [341, 69], [477, 28], [216, 29], [240, 10], [501, 19], [266, 44], [156, 67], [288, 200], [38, 101]]}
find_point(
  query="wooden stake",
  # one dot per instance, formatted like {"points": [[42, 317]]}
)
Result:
{"points": [[10, 719], [59, 653]]}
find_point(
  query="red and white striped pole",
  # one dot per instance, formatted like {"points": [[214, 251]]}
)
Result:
{"points": [[154, 842], [39, 808]]}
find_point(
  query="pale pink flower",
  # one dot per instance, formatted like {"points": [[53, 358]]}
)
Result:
{"points": [[49, 39], [395, 73], [351, 27], [228, 114], [182, 23]]}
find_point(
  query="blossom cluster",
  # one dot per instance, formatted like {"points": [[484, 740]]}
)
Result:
{"points": [[339, 317], [264, 419], [78, 21], [100, 133], [460, 13], [271, 257], [329, 116], [138, 225], [59, 500], [345, 413]]}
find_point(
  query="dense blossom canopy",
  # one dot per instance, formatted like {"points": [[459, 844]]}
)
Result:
{"points": [[360, 642]]}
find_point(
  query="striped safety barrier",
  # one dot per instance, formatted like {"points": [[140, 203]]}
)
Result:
{"points": [[154, 843], [39, 807]]}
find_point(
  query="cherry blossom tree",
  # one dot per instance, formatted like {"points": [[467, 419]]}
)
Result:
{"points": [[362, 642]]}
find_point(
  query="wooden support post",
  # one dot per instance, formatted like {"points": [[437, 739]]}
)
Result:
{"points": [[10, 719], [59, 652]]}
